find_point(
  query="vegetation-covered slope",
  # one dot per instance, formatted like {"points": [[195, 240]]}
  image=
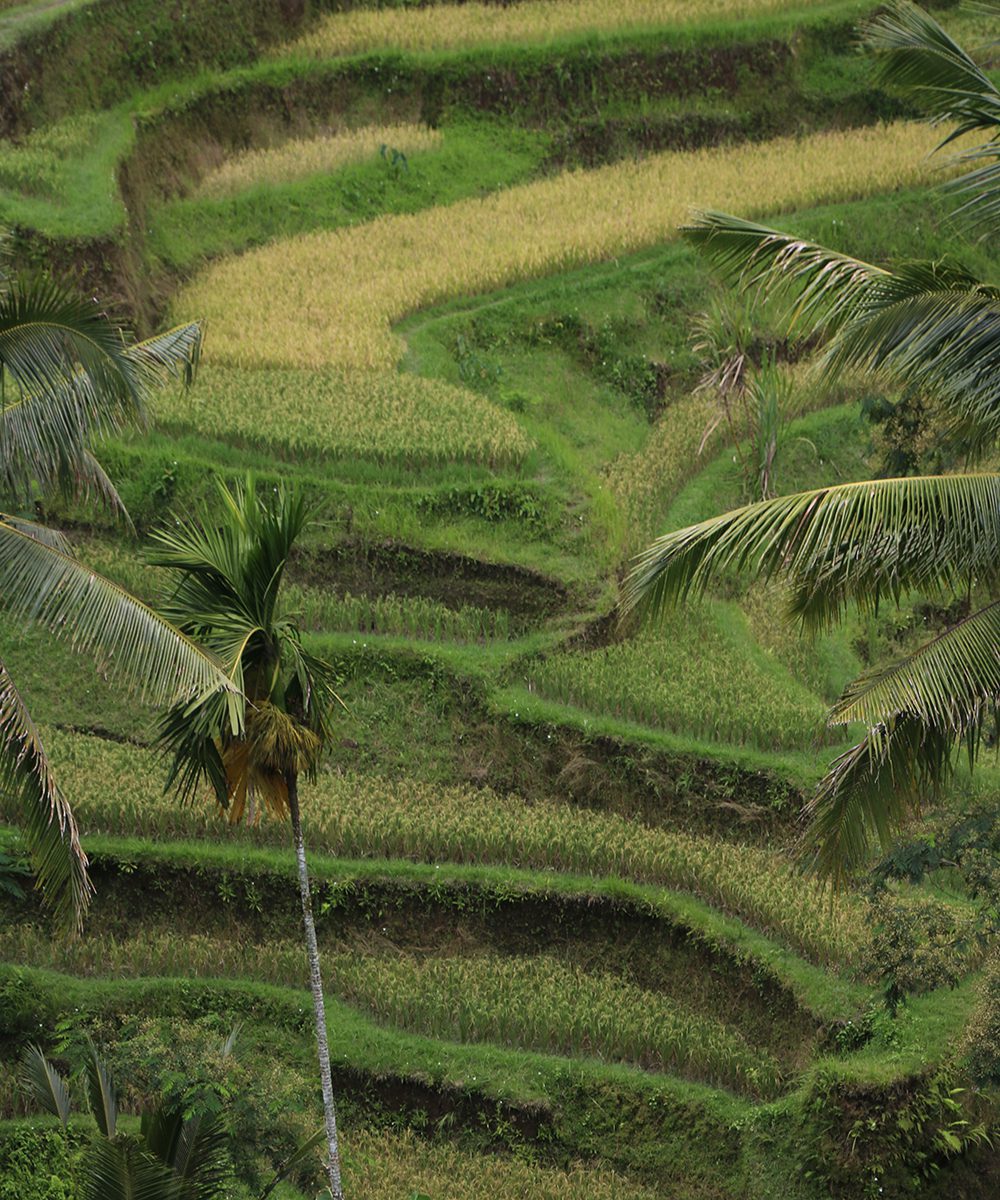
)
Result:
{"points": [[444, 296]]}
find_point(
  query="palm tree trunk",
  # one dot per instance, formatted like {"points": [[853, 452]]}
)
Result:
{"points": [[316, 987]]}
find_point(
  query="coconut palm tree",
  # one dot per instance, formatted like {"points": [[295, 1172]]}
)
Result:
{"points": [[68, 376], [933, 330], [228, 596]]}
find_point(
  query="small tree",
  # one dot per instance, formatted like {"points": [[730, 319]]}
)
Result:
{"points": [[227, 597]]}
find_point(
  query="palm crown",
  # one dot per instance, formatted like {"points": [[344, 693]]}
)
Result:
{"points": [[227, 597], [929, 328], [67, 377]]}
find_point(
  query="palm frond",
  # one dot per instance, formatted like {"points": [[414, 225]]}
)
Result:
{"points": [[201, 1160], [119, 1170], [950, 682], [41, 533], [43, 1083], [857, 542], [913, 52], [823, 287], [195, 1147], [67, 375], [945, 343], [299, 1155], [144, 652], [101, 1093], [871, 790], [50, 830]]}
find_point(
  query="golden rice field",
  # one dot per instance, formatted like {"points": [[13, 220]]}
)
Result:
{"points": [[302, 157], [385, 416], [459, 26], [329, 299], [117, 790], [699, 674]]}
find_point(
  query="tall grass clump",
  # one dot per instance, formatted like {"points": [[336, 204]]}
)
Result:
{"points": [[330, 298]]}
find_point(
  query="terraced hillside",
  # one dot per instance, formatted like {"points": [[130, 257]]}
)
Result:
{"points": [[567, 951]]}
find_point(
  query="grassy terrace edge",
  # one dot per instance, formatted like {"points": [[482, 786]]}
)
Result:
{"points": [[825, 996]]}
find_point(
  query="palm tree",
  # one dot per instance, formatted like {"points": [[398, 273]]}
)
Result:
{"points": [[227, 596], [933, 330], [68, 376]]}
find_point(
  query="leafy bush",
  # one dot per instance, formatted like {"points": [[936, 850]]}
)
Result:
{"points": [[885, 1140], [916, 946], [981, 1042], [36, 1163]]}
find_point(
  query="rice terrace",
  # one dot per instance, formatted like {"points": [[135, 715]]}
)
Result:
{"points": [[500, 607]]}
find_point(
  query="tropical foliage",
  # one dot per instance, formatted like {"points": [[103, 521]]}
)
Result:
{"points": [[928, 328], [68, 377], [181, 1150]]}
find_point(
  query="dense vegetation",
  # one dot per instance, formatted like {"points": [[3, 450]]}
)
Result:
{"points": [[566, 946]]}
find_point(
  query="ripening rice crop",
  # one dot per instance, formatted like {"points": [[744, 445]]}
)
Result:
{"points": [[384, 416], [378, 1165], [458, 26], [301, 157], [117, 789], [330, 298], [540, 1003], [536, 1002], [699, 673], [400, 616], [35, 164]]}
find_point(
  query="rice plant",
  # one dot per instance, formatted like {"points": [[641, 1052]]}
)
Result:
{"points": [[458, 26], [700, 675], [383, 416]]}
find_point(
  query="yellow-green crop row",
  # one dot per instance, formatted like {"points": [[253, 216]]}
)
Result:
{"points": [[382, 1165], [458, 26], [301, 157], [402, 616], [536, 1002], [117, 790], [34, 165], [330, 298], [543, 1004], [700, 674], [384, 416]]}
